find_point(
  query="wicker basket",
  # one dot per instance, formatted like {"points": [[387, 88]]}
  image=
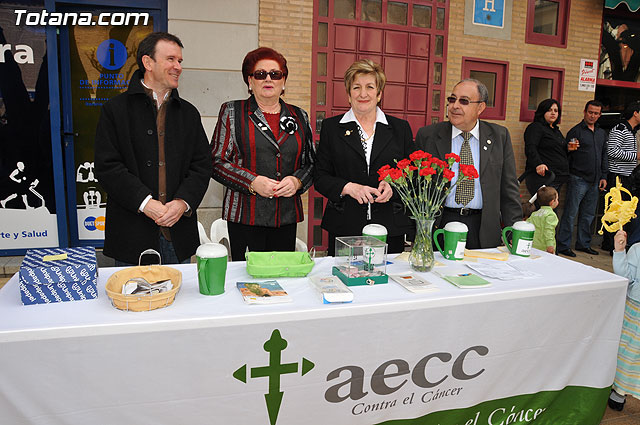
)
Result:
{"points": [[153, 273]]}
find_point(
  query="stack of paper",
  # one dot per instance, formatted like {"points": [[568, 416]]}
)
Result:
{"points": [[502, 271], [331, 289], [473, 253]]}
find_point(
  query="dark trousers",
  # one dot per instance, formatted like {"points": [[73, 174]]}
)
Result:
{"points": [[472, 221], [259, 238], [581, 200], [395, 244]]}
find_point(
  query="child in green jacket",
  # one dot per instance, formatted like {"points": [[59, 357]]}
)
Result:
{"points": [[545, 220]]}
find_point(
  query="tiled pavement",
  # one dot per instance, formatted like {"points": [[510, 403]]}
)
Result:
{"points": [[629, 416]]}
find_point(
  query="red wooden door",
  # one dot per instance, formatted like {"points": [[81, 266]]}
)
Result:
{"points": [[408, 38]]}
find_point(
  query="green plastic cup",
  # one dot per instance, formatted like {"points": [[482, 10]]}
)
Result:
{"points": [[212, 268], [455, 240], [521, 238]]}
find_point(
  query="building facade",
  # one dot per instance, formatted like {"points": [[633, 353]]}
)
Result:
{"points": [[524, 51]]}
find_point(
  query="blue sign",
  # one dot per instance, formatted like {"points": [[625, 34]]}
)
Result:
{"points": [[111, 54], [489, 12]]}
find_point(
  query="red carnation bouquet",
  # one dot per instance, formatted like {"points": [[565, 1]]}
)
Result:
{"points": [[423, 183]]}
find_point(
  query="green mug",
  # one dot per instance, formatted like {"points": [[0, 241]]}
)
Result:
{"points": [[521, 238], [455, 240], [212, 268], [377, 231]]}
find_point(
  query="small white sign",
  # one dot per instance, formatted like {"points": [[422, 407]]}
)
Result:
{"points": [[91, 222], [524, 247], [588, 75], [28, 228]]}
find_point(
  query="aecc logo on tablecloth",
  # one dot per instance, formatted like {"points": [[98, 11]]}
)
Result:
{"points": [[355, 377], [273, 371]]}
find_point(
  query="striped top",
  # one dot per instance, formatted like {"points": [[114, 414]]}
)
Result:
{"points": [[244, 147], [622, 149]]}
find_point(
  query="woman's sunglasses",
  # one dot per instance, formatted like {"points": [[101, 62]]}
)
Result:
{"points": [[463, 100], [261, 74]]}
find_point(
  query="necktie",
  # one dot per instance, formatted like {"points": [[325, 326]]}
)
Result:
{"points": [[464, 189]]}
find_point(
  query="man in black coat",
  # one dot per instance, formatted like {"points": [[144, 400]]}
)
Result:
{"points": [[588, 167], [495, 197], [152, 159]]}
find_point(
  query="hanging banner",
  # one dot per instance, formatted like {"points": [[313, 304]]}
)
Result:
{"points": [[102, 60], [27, 200]]}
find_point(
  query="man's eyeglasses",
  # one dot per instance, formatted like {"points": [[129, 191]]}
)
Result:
{"points": [[261, 74], [463, 100]]}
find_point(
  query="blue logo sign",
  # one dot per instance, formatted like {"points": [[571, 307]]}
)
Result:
{"points": [[90, 223], [111, 54], [489, 12]]}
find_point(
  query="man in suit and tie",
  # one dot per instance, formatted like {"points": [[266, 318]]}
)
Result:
{"points": [[493, 199]]}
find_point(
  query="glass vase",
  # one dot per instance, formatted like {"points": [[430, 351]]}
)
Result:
{"points": [[421, 257]]}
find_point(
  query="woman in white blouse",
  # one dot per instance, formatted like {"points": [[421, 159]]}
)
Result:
{"points": [[352, 148]]}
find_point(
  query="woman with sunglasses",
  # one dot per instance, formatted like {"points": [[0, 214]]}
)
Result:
{"points": [[352, 148], [263, 153], [546, 149]]}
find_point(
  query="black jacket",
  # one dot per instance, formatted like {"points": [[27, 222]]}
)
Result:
{"points": [[126, 164], [497, 170], [546, 145], [243, 147], [341, 159], [589, 161]]}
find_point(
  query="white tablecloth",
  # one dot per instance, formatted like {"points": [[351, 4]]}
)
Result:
{"points": [[517, 346]]}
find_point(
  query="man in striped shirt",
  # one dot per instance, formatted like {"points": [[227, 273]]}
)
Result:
{"points": [[622, 152]]}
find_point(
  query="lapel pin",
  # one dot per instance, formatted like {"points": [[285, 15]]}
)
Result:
{"points": [[347, 133], [488, 142]]}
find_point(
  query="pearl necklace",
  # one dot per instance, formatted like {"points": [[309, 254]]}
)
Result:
{"points": [[274, 110]]}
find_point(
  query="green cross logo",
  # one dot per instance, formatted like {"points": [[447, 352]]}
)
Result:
{"points": [[273, 398]]}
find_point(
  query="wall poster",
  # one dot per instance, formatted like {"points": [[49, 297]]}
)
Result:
{"points": [[27, 200], [102, 61]]}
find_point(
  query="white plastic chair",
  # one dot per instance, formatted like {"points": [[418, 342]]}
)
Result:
{"points": [[301, 246], [203, 234], [220, 234]]}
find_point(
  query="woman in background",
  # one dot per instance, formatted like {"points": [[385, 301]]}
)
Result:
{"points": [[546, 148]]}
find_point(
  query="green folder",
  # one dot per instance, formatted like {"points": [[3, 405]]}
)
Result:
{"points": [[463, 279]]}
